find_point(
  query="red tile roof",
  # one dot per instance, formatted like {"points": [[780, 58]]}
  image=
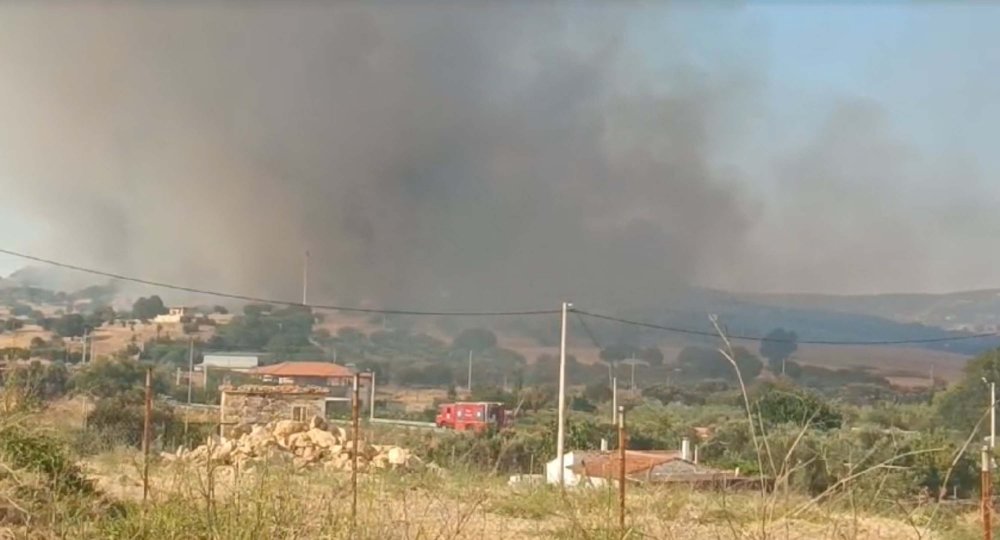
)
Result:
{"points": [[319, 370], [601, 465]]}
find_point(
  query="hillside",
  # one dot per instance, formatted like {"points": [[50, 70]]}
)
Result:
{"points": [[975, 311]]}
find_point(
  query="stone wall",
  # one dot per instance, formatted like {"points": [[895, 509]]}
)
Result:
{"points": [[261, 408]]}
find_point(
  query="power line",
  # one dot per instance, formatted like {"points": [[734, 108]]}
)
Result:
{"points": [[578, 312], [247, 298], [586, 329], [692, 332]]}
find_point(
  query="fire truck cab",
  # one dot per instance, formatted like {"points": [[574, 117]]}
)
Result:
{"points": [[471, 416]]}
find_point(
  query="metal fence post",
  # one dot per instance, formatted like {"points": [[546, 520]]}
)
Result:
{"points": [[621, 469], [355, 430], [986, 494], [147, 417]]}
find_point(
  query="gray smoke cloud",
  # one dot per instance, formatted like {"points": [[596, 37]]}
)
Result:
{"points": [[425, 155]]}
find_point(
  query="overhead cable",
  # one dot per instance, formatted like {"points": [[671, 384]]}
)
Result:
{"points": [[248, 298]]}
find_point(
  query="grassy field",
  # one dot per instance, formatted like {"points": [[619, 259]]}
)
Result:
{"points": [[191, 501]]}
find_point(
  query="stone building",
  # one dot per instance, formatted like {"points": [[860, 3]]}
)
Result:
{"points": [[259, 404]]}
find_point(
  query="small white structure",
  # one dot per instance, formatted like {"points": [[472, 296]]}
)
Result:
{"points": [[174, 315], [571, 478], [232, 361]]}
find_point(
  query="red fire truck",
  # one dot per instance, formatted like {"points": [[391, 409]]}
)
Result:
{"points": [[472, 416]]}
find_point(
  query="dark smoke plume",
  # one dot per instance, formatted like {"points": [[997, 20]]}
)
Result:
{"points": [[427, 156]]}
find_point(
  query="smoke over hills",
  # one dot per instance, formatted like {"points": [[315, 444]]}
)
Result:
{"points": [[422, 155], [426, 155]]}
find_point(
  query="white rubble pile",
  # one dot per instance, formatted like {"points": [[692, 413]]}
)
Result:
{"points": [[314, 443]]}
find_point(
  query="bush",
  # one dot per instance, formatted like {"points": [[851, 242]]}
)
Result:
{"points": [[776, 404], [39, 453]]}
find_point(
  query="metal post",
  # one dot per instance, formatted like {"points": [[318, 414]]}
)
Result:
{"points": [[355, 432], [469, 384], [632, 387], [993, 415], [371, 399], [621, 470], [561, 430], [190, 367], [986, 495], [305, 280], [614, 400], [147, 417], [993, 412]]}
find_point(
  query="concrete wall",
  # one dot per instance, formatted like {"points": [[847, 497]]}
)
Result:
{"points": [[243, 408]]}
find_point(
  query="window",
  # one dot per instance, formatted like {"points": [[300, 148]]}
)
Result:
{"points": [[299, 413]]}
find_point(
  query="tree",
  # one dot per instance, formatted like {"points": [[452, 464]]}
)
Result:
{"points": [[104, 314], [618, 352], [111, 377], [780, 404], [12, 325], [475, 339], [72, 325], [778, 345], [145, 309], [704, 363], [652, 356], [966, 402], [597, 392], [667, 394], [21, 310]]}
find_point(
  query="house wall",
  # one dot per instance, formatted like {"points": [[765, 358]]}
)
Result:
{"points": [[229, 361], [243, 408], [552, 471]]}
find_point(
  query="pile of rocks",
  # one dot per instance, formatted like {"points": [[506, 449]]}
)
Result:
{"points": [[305, 444]]}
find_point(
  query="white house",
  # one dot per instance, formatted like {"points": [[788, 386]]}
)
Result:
{"points": [[232, 361], [174, 315], [570, 459]]}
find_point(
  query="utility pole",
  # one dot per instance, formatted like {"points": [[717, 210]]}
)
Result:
{"points": [[632, 387], [561, 431], [614, 399], [190, 367], [305, 280], [83, 355], [355, 433], [993, 412], [621, 470], [469, 384], [371, 399], [146, 433], [986, 494]]}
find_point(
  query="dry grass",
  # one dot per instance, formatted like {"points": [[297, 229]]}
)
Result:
{"points": [[194, 501]]}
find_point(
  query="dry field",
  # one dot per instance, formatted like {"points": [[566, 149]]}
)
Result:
{"points": [[273, 501]]}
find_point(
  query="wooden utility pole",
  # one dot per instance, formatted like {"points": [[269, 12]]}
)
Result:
{"points": [[355, 433], [371, 399], [146, 432], [986, 494], [621, 470]]}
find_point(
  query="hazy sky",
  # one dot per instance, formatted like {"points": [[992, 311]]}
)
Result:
{"points": [[434, 153]]}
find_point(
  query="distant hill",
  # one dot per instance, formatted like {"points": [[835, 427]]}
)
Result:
{"points": [[51, 278], [974, 311]]}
